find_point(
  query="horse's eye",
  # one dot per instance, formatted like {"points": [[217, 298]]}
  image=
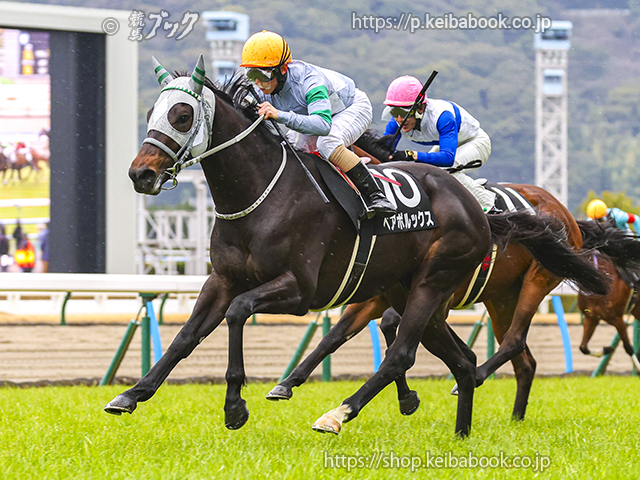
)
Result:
{"points": [[183, 119]]}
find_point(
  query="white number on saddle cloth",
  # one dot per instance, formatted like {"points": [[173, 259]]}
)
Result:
{"points": [[393, 191], [413, 207]]}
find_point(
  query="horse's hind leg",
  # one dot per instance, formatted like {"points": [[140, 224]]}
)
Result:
{"points": [[207, 315], [354, 319], [464, 348], [442, 342], [408, 399], [422, 304]]}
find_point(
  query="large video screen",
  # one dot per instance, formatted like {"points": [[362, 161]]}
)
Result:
{"points": [[25, 122]]}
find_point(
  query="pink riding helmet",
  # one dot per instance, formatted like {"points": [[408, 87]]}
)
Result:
{"points": [[403, 91]]}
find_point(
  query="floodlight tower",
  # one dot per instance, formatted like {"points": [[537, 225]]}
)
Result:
{"points": [[552, 48], [226, 32]]}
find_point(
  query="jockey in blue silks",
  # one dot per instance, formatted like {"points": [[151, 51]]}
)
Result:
{"points": [[458, 143]]}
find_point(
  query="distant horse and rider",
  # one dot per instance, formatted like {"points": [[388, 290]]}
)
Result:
{"points": [[622, 298], [15, 157], [279, 248]]}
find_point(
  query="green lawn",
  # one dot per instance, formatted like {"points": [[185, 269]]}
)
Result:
{"points": [[586, 428], [34, 186]]}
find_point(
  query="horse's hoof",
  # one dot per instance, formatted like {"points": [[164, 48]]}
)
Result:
{"points": [[410, 403], [454, 390], [608, 350], [279, 393], [331, 422], [327, 424], [121, 404], [236, 417]]}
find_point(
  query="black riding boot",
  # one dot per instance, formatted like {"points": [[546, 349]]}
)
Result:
{"points": [[368, 188]]}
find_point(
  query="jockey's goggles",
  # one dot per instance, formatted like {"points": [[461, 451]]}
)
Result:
{"points": [[263, 75], [399, 112]]}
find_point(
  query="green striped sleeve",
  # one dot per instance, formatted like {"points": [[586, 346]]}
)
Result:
{"points": [[326, 114], [318, 93], [318, 102]]}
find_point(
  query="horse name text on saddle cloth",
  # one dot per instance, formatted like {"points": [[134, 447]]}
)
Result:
{"points": [[413, 206]]}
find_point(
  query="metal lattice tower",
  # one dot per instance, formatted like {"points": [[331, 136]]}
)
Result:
{"points": [[552, 48]]}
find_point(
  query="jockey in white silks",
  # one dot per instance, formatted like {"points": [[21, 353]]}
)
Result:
{"points": [[323, 109], [457, 142]]}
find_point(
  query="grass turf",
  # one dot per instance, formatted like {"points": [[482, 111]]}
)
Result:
{"points": [[34, 185], [587, 428]]}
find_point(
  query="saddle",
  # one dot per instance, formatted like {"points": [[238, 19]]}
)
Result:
{"points": [[413, 207], [508, 200]]}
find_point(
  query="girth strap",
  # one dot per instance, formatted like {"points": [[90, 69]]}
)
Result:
{"points": [[362, 250], [480, 279]]}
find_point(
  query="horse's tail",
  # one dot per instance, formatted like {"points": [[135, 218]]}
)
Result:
{"points": [[546, 239], [621, 247]]}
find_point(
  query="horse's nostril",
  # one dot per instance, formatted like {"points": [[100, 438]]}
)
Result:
{"points": [[142, 175]]}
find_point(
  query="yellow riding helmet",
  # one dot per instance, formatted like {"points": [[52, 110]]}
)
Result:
{"points": [[596, 209], [265, 49]]}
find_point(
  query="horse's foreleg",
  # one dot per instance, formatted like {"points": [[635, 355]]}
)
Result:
{"points": [[207, 315], [408, 399], [588, 328], [524, 366], [501, 313], [536, 285], [281, 295], [354, 319]]}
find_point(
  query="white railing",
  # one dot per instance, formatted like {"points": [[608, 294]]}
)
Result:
{"points": [[111, 294]]}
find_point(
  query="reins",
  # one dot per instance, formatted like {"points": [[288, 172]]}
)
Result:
{"points": [[256, 204], [182, 164]]}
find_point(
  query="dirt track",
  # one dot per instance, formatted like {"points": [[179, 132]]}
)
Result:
{"points": [[32, 353]]}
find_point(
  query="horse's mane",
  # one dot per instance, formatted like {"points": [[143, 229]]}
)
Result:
{"points": [[234, 92], [372, 143]]}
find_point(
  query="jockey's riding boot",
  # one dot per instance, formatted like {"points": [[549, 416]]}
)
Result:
{"points": [[368, 188]]}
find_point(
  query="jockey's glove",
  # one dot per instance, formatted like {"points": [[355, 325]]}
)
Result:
{"points": [[405, 156]]}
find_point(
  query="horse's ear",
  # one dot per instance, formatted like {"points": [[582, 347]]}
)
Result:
{"points": [[162, 75], [197, 77]]}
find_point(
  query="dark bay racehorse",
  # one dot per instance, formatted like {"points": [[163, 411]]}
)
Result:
{"points": [[289, 254], [521, 278]]}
